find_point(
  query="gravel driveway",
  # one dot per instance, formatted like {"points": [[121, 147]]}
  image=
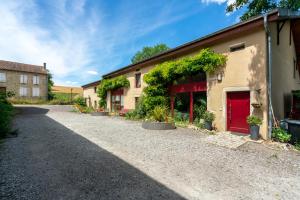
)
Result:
{"points": [[65, 155]]}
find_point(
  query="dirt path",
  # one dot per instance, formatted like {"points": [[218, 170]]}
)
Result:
{"points": [[63, 155]]}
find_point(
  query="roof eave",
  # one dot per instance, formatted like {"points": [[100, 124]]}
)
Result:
{"points": [[275, 13]]}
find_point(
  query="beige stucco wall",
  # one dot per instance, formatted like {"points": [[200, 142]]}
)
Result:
{"points": [[91, 97], [245, 71], [283, 81], [13, 84]]}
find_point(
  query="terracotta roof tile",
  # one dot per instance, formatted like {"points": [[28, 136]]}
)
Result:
{"points": [[14, 66]]}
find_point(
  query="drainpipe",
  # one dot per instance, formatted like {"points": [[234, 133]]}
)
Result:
{"points": [[269, 81]]}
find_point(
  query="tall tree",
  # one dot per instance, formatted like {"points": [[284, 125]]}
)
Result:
{"points": [[257, 7], [50, 84], [148, 52]]}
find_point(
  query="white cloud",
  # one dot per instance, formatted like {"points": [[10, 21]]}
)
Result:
{"points": [[71, 83], [218, 1], [72, 37], [92, 72]]}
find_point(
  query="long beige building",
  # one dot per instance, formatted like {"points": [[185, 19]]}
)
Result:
{"points": [[262, 71], [24, 80], [90, 94]]}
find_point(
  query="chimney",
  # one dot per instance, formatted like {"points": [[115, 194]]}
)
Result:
{"points": [[45, 64]]}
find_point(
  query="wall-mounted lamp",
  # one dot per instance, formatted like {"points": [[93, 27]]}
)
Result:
{"points": [[219, 77]]}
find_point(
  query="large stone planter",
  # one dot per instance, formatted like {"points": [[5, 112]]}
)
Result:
{"points": [[254, 132], [208, 125], [158, 125], [99, 113]]}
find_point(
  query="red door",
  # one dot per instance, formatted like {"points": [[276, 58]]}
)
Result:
{"points": [[238, 109]]}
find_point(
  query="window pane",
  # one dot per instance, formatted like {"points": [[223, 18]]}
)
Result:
{"points": [[2, 77], [23, 91], [35, 92]]}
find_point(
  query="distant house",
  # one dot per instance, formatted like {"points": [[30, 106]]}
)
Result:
{"points": [[90, 94], [25, 80], [262, 69]]}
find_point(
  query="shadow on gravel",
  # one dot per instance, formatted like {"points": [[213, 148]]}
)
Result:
{"points": [[31, 110], [50, 161]]}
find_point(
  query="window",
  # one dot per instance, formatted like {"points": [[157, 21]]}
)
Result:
{"points": [[138, 80], [36, 80], [23, 78], [95, 89], [23, 91], [2, 77], [237, 47], [35, 92]]}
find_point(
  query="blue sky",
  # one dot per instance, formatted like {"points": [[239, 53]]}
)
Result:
{"points": [[80, 40]]}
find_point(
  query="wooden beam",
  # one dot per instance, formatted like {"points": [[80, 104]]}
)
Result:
{"points": [[279, 28]]}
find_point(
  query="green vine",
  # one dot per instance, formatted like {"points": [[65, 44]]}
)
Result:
{"points": [[110, 84], [162, 75]]}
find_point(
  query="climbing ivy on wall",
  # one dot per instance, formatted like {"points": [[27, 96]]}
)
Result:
{"points": [[164, 74], [110, 84]]}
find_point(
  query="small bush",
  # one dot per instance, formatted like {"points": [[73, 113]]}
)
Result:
{"points": [[133, 115], [28, 101], [84, 109], [160, 114], [6, 114], [209, 116], [297, 145], [253, 120], [59, 102], [80, 101], [280, 135], [199, 110]]}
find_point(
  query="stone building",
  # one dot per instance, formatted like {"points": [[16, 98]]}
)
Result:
{"points": [[27, 81]]}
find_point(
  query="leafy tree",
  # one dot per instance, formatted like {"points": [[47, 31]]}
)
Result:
{"points": [[257, 7], [148, 52], [50, 85]]}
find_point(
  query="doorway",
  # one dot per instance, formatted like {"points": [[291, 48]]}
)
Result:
{"points": [[238, 109]]}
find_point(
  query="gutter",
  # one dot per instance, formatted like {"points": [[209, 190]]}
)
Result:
{"points": [[269, 76]]}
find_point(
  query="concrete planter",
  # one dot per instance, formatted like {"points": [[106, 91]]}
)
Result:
{"points": [[158, 125], [254, 132], [99, 113], [208, 125]]}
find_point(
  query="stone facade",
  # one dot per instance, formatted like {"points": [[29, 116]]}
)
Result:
{"points": [[90, 94], [29, 89]]}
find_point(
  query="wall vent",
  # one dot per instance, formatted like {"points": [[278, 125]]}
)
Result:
{"points": [[237, 47]]}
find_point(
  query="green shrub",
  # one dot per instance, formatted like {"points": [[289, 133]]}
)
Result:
{"points": [[163, 75], [110, 84], [280, 135], [160, 114], [59, 102], [254, 120], [28, 101], [80, 101], [209, 116], [297, 145], [199, 111], [84, 109], [6, 114]]}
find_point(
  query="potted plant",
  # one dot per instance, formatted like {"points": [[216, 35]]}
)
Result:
{"points": [[159, 119], [254, 123], [208, 117]]}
